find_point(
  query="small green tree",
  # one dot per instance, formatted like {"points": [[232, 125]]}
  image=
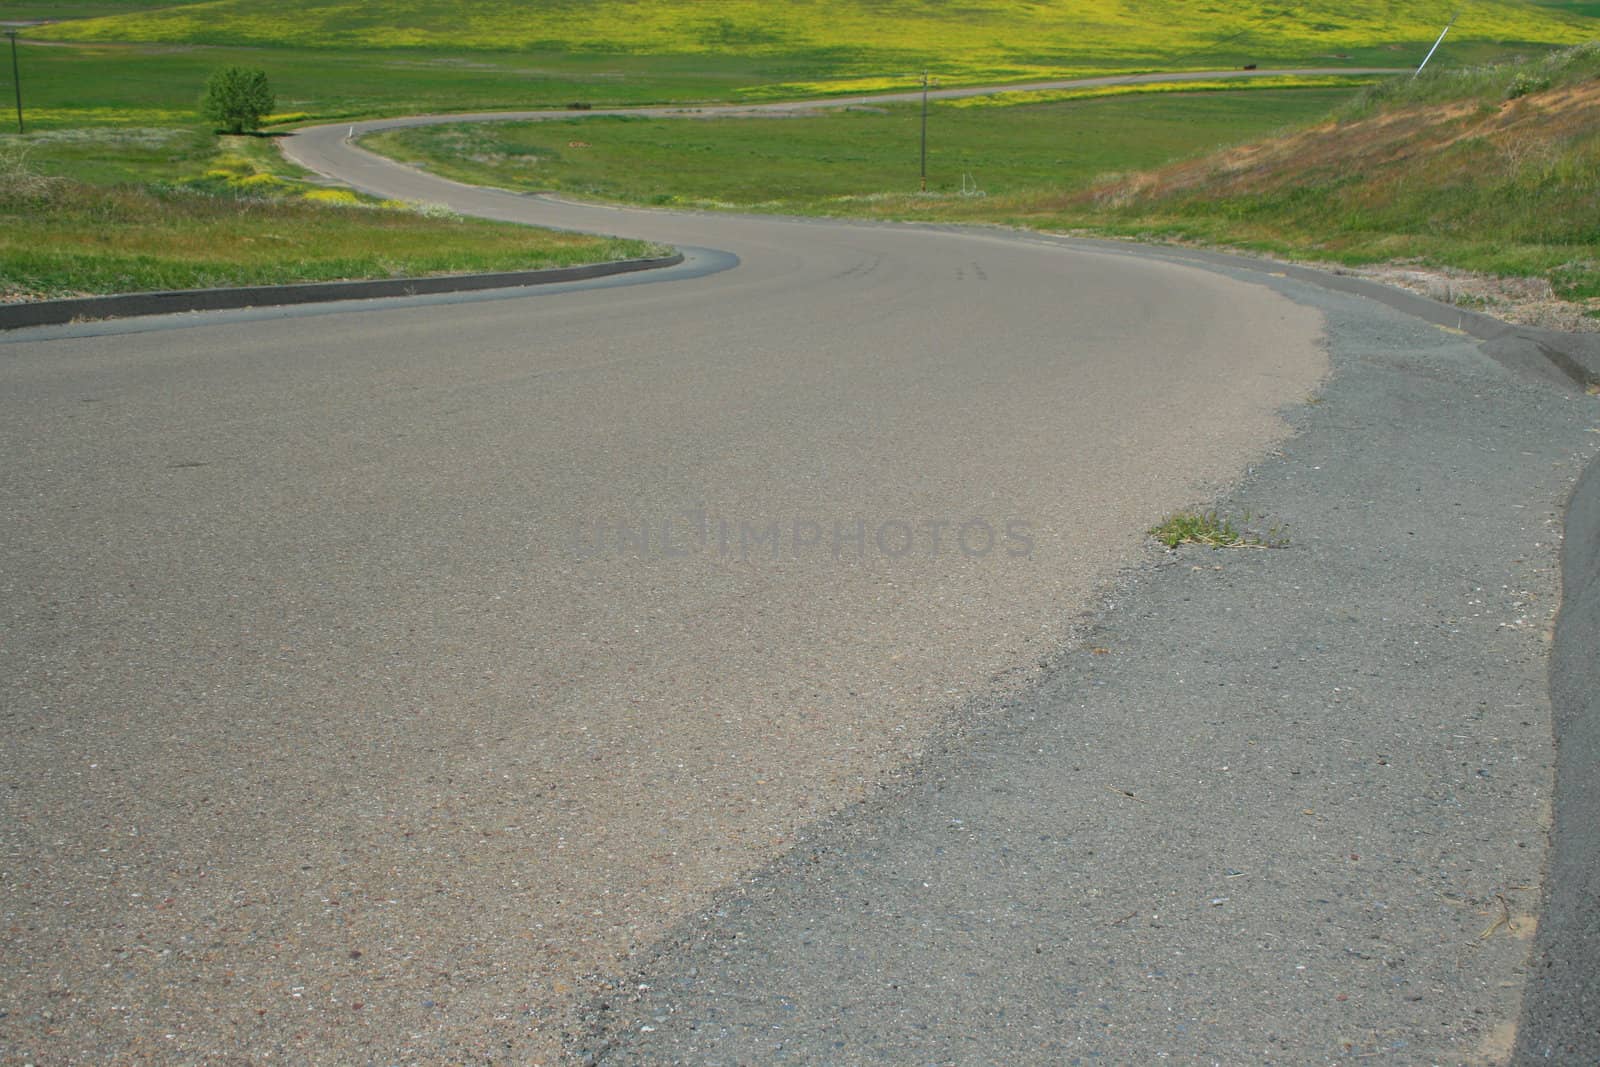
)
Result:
{"points": [[237, 99]]}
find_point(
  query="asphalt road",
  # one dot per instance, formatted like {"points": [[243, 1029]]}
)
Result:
{"points": [[331, 681], [1280, 806], [382, 681]]}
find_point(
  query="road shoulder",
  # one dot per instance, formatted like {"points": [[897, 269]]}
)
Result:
{"points": [[1277, 805], [1559, 1023]]}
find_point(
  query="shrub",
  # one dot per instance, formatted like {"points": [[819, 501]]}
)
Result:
{"points": [[20, 184], [1524, 83], [237, 99]]}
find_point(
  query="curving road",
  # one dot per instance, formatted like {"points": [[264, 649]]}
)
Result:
{"points": [[379, 676], [307, 144]]}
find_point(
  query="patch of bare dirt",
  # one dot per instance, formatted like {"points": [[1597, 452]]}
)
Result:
{"points": [[1524, 301]]}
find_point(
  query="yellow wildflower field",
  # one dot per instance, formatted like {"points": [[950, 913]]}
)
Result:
{"points": [[967, 40], [1056, 96]]}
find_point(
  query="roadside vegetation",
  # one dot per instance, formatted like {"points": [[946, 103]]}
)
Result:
{"points": [[1494, 170], [238, 216]]}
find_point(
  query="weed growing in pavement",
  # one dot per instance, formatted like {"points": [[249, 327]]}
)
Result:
{"points": [[1216, 531]]}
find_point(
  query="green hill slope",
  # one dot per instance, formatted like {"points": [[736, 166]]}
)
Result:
{"points": [[969, 39], [1494, 170]]}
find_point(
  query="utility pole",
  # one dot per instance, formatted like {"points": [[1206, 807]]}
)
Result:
{"points": [[1436, 44], [924, 129], [16, 77]]}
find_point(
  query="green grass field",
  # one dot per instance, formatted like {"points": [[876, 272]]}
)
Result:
{"points": [[130, 209], [72, 86], [75, 239], [1584, 8], [144, 61], [970, 40], [19, 11], [333, 59], [844, 162]]}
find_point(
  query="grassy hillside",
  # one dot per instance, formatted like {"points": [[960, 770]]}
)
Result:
{"points": [[335, 59], [837, 162], [152, 84], [54, 242], [24, 11], [152, 208], [1494, 170], [967, 40]]}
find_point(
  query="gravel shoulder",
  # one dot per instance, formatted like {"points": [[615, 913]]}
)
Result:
{"points": [[1280, 805], [1563, 1002]]}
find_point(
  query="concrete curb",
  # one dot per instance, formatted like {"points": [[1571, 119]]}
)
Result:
{"points": [[1562, 1000], [57, 312]]}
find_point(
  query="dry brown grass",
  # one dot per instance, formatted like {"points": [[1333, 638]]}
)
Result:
{"points": [[1529, 128], [1500, 181]]}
